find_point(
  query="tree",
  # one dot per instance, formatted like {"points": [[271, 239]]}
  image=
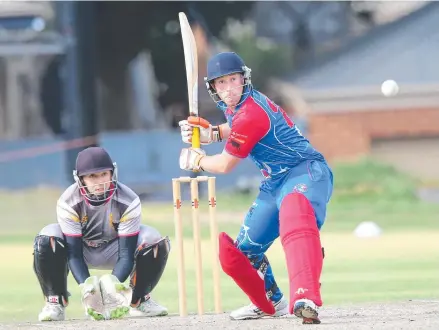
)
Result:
{"points": [[125, 28], [266, 58]]}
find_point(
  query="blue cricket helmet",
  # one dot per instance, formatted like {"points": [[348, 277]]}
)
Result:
{"points": [[223, 64]]}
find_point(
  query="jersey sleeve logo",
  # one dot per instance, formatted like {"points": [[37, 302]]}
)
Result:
{"points": [[236, 140]]}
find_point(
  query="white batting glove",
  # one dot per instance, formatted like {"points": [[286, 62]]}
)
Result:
{"points": [[91, 298], [208, 133], [190, 159]]}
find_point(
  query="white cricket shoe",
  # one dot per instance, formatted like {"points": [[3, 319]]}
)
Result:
{"points": [[148, 307], [52, 312], [253, 312]]}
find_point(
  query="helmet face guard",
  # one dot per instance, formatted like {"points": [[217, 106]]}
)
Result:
{"points": [[95, 160], [88, 191], [246, 72], [224, 64]]}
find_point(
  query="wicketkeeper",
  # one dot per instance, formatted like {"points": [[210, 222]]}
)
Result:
{"points": [[99, 227], [292, 200]]}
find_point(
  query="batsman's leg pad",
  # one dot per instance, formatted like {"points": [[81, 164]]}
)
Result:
{"points": [[235, 264], [150, 262], [50, 266], [303, 251]]}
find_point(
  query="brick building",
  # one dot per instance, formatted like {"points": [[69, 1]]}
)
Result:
{"points": [[347, 115]]}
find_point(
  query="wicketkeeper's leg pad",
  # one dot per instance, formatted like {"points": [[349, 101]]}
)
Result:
{"points": [[150, 262], [235, 264], [300, 239], [50, 266]]}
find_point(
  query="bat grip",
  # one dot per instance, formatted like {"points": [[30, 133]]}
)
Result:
{"points": [[196, 138]]}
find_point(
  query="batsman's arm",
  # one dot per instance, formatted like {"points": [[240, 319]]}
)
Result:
{"points": [[128, 231], [70, 225], [248, 128], [220, 163]]}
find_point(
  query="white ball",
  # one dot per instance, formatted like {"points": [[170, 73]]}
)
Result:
{"points": [[368, 229], [389, 88]]}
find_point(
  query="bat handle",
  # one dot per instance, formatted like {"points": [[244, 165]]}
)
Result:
{"points": [[196, 138]]}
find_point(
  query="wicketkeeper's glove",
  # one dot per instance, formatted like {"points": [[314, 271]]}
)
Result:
{"points": [[91, 298]]}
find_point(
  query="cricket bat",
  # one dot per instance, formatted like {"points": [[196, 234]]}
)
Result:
{"points": [[191, 63]]}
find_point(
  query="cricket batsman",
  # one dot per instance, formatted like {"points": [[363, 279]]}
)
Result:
{"points": [[99, 227], [293, 195]]}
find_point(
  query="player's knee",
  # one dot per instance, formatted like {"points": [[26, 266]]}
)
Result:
{"points": [[243, 244], [50, 239], [247, 245], [296, 203], [52, 230], [163, 246], [296, 215], [230, 253], [148, 235], [44, 244], [253, 252]]}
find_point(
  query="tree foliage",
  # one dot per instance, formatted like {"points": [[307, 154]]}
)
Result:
{"points": [[266, 58], [125, 28]]}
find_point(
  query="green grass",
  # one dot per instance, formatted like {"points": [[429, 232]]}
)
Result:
{"points": [[368, 180], [401, 264], [355, 270]]}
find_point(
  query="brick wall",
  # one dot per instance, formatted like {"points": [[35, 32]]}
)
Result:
{"points": [[349, 134]]}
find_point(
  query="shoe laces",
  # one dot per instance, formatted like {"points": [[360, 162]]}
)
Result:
{"points": [[252, 306], [148, 303]]}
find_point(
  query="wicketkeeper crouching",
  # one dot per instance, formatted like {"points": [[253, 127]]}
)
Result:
{"points": [[99, 227]]}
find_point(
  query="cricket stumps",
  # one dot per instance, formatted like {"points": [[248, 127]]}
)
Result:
{"points": [[176, 189]]}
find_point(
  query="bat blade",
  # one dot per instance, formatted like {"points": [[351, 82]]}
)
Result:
{"points": [[191, 63]]}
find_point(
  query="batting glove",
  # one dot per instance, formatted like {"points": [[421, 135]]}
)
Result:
{"points": [[190, 159], [208, 133]]}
